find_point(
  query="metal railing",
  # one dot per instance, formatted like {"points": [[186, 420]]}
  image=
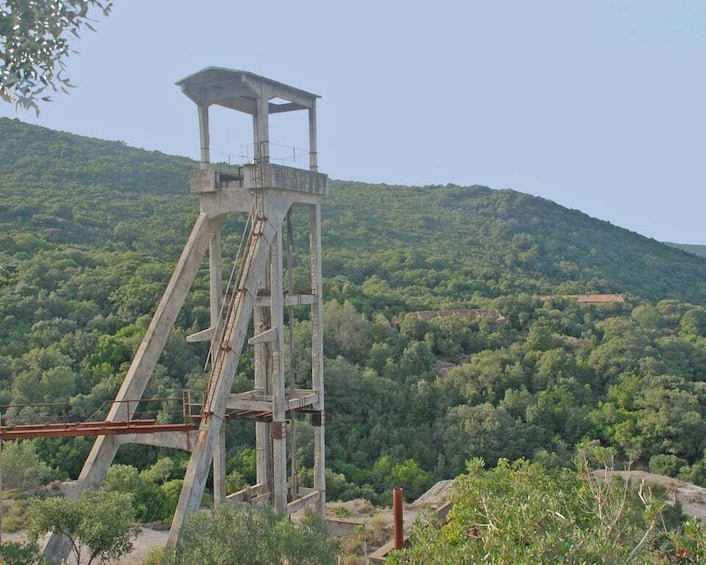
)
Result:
{"points": [[52, 419]]}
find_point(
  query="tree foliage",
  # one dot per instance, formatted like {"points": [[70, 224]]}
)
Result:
{"points": [[16, 553], [524, 513], [21, 467], [252, 536], [447, 339], [99, 524], [151, 502], [34, 42]]}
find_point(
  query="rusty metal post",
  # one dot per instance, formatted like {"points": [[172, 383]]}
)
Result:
{"points": [[397, 498]]}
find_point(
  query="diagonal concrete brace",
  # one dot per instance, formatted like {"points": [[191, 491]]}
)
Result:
{"points": [[224, 367]]}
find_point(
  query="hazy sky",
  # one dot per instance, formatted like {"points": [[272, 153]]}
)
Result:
{"points": [[595, 104]]}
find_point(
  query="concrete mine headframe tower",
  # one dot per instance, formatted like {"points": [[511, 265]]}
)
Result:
{"points": [[262, 291], [267, 192]]}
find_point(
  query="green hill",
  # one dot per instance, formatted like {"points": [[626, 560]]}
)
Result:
{"points": [[699, 250], [90, 231], [456, 242], [424, 246]]}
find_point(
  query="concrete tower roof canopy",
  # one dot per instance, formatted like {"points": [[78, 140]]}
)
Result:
{"points": [[241, 90]]}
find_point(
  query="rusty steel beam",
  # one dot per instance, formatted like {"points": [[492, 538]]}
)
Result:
{"points": [[83, 429]]}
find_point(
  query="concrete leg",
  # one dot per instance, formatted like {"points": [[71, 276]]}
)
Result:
{"points": [[219, 468], [223, 372], [279, 425], [105, 447], [317, 354]]}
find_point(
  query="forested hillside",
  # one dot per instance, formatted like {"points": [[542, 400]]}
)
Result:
{"points": [[461, 243], [699, 250], [91, 230]]}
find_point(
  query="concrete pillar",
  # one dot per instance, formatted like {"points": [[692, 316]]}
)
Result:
{"points": [[216, 300], [294, 479], [216, 273], [317, 354], [204, 134], [279, 426], [313, 151], [262, 131], [219, 468], [263, 448]]}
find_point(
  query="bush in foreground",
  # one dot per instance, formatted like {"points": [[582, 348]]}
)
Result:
{"points": [[252, 536], [523, 513]]}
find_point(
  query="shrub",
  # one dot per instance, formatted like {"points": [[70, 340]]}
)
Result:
{"points": [[252, 536]]}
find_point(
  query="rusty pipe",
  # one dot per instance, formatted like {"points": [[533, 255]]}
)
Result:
{"points": [[398, 524]]}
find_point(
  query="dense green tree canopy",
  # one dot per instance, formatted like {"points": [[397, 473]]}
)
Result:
{"points": [[448, 333]]}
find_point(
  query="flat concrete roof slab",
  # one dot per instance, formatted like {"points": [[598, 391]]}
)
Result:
{"points": [[241, 90]]}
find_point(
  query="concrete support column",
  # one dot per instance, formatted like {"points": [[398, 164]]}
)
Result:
{"points": [[216, 299], [262, 131], [219, 468], [263, 448], [216, 273], [317, 354], [313, 151], [204, 134], [279, 425], [294, 479]]}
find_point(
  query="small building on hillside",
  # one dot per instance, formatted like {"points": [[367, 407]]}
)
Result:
{"points": [[586, 298], [469, 314]]}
